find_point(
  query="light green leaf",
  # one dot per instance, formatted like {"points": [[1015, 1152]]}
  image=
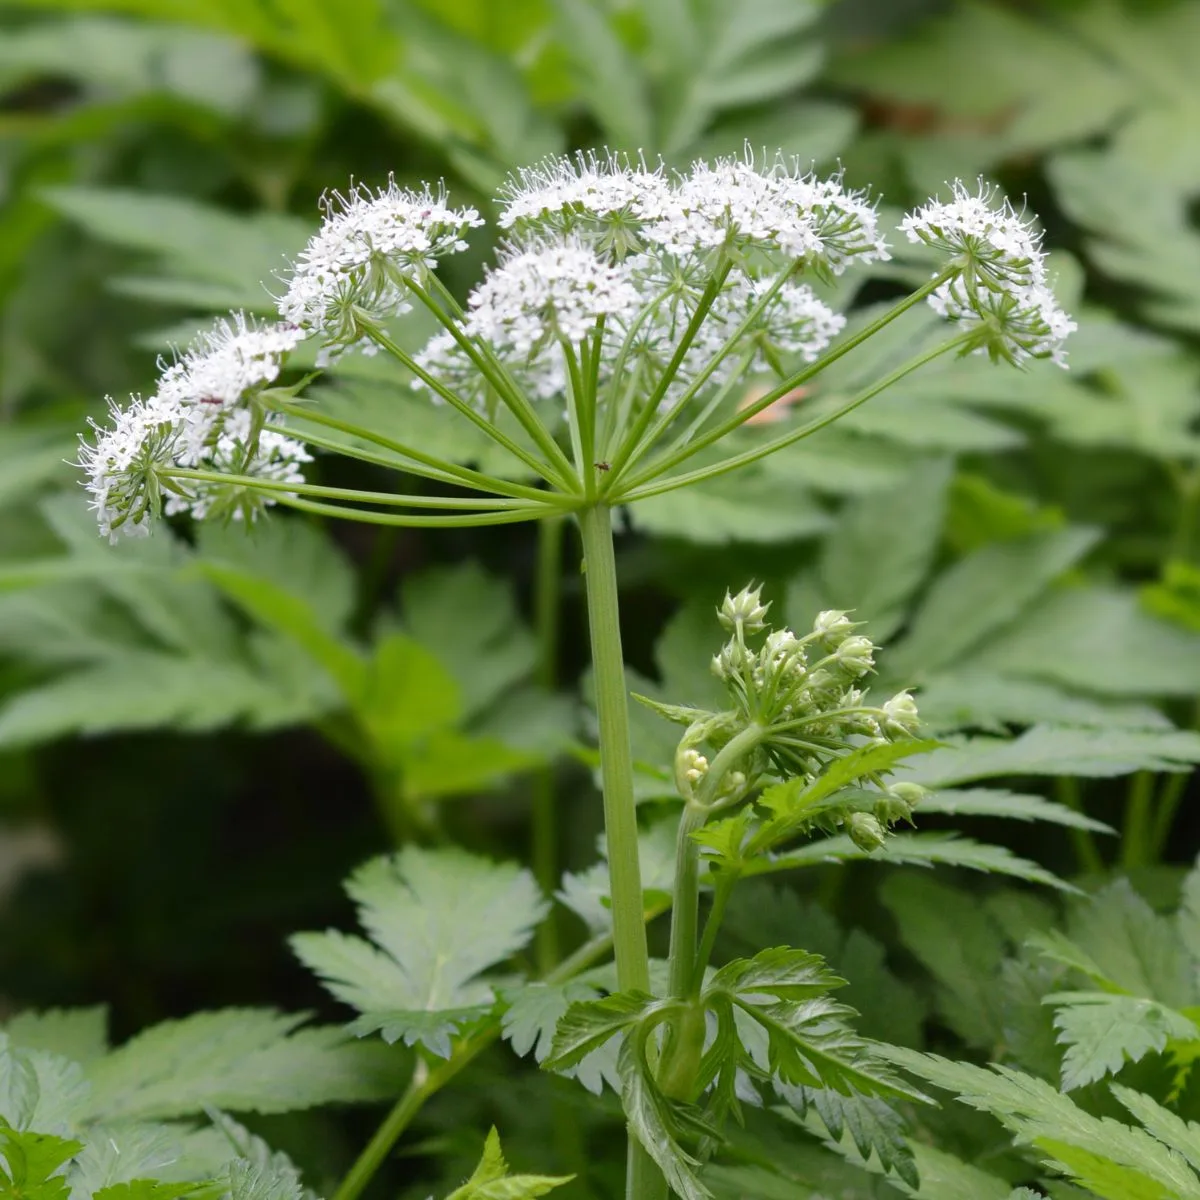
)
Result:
{"points": [[608, 76], [1097, 639], [879, 552], [959, 945], [32, 1164], [991, 802], [79, 1034], [1103, 1031], [589, 1024], [1170, 1129], [1045, 750], [981, 593], [491, 1179], [749, 506], [437, 920], [917, 849], [531, 1018], [146, 690], [245, 1060], [212, 259]]}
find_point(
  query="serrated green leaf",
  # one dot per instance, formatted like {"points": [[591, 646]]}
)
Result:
{"points": [[1103, 1031], [872, 1125], [982, 593], [32, 1164], [881, 549], [530, 1021], [589, 1024], [991, 802], [437, 920], [780, 972], [655, 1122], [1040, 1115], [78, 1034], [1170, 1129], [1045, 750], [491, 1180], [245, 1060], [960, 946], [1097, 639], [924, 849]]}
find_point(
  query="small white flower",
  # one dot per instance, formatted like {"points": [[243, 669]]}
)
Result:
{"points": [[794, 322], [606, 200], [1014, 325], [546, 290], [123, 462], [233, 358], [358, 260], [994, 240], [900, 714]]}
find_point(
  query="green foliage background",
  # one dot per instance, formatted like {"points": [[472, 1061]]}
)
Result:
{"points": [[201, 735]]}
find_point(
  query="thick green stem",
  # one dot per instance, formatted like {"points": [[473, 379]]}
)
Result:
{"points": [[547, 602], [616, 758], [1087, 854], [685, 909], [643, 1180], [722, 890], [1135, 842], [1169, 800]]}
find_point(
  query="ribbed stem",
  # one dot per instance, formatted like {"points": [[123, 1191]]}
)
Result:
{"points": [[547, 600], [643, 1179], [616, 758]]}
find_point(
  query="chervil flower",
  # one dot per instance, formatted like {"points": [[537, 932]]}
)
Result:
{"points": [[1001, 292], [199, 418], [123, 462], [548, 290], [232, 359], [606, 201], [369, 244], [993, 241], [794, 323]]}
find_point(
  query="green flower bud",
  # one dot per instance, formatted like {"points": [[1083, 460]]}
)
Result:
{"points": [[745, 609], [911, 793], [865, 831], [856, 655], [832, 623], [900, 714]]}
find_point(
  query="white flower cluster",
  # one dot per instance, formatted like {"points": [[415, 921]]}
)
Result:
{"points": [[1002, 290], [612, 237], [357, 263], [197, 419]]}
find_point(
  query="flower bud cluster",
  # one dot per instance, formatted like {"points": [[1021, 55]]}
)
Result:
{"points": [[199, 418], [1002, 291], [804, 690]]}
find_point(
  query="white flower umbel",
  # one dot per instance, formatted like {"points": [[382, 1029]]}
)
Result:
{"points": [[1001, 291], [607, 200], [546, 291], [369, 244], [235, 357], [199, 418], [123, 463]]}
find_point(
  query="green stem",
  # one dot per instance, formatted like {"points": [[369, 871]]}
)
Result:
{"points": [[1169, 800], [1087, 855], [616, 758], [366, 516], [646, 417], [722, 890], [685, 909], [1135, 840], [552, 473], [490, 367], [642, 487], [659, 466], [434, 468], [351, 495], [547, 604]]}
